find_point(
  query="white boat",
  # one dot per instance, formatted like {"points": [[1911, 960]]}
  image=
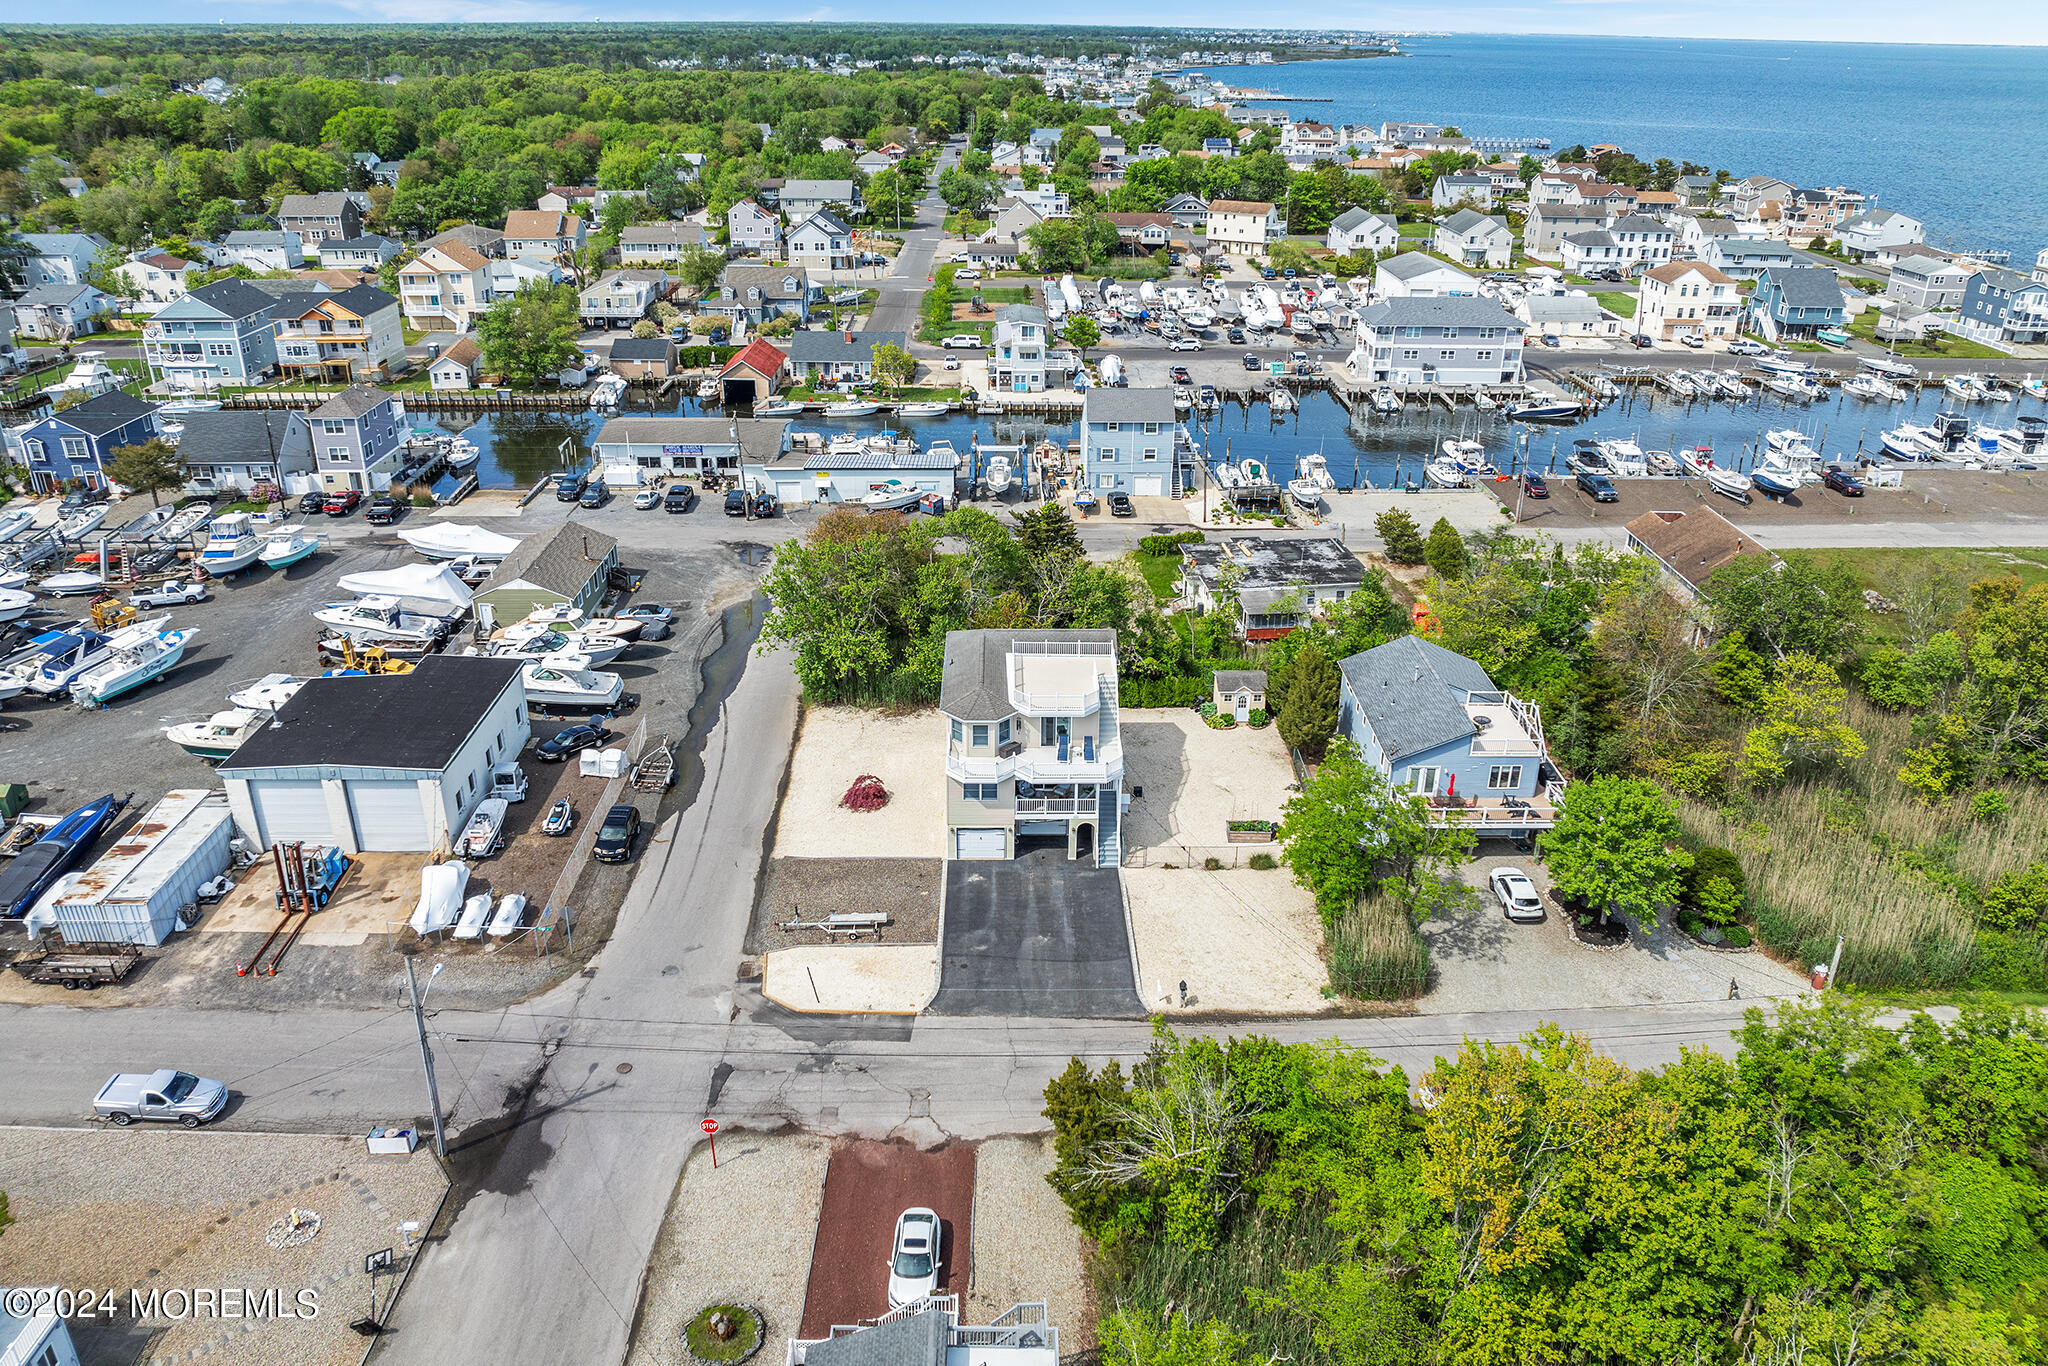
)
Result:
{"points": [[1729, 483], [1460, 450], [607, 392], [891, 494], [1909, 441], [1675, 382], [14, 602], [83, 522], [1796, 387], [1778, 363], [287, 546], [1306, 494], [1891, 367], [1484, 401], [73, 583], [2036, 386], [889, 443], [453, 539], [943, 449], [1625, 457], [179, 407], [1252, 471], [12, 524], [1696, 460], [267, 693], [476, 910], [777, 407], [90, 375], [486, 833], [1280, 400], [547, 687], [1385, 400], [560, 650], [852, 409], [1873, 389], [219, 735], [1792, 442], [1964, 387], [1605, 389], [1316, 470], [1000, 476], [511, 910], [1661, 462], [140, 654], [380, 616], [1227, 475], [1444, 474], [462, 453], [1990, 388], [231, 546], [923, 409]]}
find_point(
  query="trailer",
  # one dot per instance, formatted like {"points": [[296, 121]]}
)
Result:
{"points": [[79, 967]]}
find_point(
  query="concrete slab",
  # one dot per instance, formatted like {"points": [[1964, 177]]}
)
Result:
{"points": [[1245, 942], [838, 745], [852, 979], [1196, 781], [1037, 935], [379, 889]]}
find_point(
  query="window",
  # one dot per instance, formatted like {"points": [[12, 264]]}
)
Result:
{"points": [[1504, 776], [1151, 429], [1482, 355], [980, 736], [337, 452], [980, 792], [1045, 730], [1106, 453], [1151, 452], [1422, 780], [1002, 732], [34, 448], [1447, 354], [1111, 426], [75, 447], [333, 426], [1411, 355], [219, 349]]}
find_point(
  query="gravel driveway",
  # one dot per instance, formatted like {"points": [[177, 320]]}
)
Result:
{"points": [[1482, 962]]}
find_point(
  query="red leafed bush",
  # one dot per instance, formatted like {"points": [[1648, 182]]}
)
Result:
{"points": [[866, 794]]}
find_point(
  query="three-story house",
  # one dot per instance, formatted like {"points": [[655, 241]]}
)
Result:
{"points": [[352, 335], [356, 439]]}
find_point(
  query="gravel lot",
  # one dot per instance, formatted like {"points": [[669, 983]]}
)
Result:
{"points": [[1245, 942], [1483, 962], [1032, 1250], [777, 1180], [813, 888], [852, 979], [837, 745], [1196, 781], [163, 1209], [866, 1186]]}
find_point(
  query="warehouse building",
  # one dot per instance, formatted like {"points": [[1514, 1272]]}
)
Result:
{"points": [[387, 764]]}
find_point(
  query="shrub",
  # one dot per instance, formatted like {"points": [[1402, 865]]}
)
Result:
{"points": [[2009, 962], [1222, 722], [1212, 863], [1265, 863], [423, 500], [1445, 550], [1715, 886], [1166, 545], [1400, 535], [1207, 708], [1736, 937], [1258, 718]]}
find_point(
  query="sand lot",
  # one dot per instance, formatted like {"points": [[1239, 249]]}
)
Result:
{"points": [[1026, 1247], [1245, 942], [861, 979], [1196, 781], [837, 745]]}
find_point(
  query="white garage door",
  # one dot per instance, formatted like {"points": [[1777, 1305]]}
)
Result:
{"points": [[978, 844], [790, 495], [291, 809], [1149, 485], [387, 816]]}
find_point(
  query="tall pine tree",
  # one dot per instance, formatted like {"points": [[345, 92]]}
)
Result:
{"points": [[1308, 718]]}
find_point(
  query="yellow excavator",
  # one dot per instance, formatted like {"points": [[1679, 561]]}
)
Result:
{"points": [[371, 659]]}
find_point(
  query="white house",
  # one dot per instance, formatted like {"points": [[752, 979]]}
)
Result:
{"points": [[1474, 191], [1454, 340], [1565, 316], [660, 244], [1681, 297], [1645, 241], [1878, 233], [543, 235], [1415, 274], [1244, 227], [263, 251], [620, 298], [1356, 230], [1476, 239], [158, 277], [445, 288], [751, 228], [802, 198], [822, 242], [454, 370]]}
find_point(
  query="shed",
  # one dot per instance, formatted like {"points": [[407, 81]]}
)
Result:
{"points": [[395, 762], [753, 374], [133, 894], [643, 357], [1239, 692], [456, 367], [570, 565]]}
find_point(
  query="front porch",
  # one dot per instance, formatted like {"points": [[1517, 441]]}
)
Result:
{"points": [[1501, 814]]}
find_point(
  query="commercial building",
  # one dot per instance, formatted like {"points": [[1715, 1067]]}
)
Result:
{"points": [[570, 566]]}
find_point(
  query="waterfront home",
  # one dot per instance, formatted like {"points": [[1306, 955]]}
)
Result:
{"points": [[543, 235], [752, 229], [1547, 225], [643, 357], [60, 312], [620, 298], [356, 439], [822, 242], [1689, 546], [77, 443], [222, 333], [754, 374], [158, 277], [1143, 232], [1244, 227], [1698, 190], [1415, 274], [1879, 234], [1681, 297], [1644, 241], [1751, 195], [454, 370], [351, 335], [1456, 340], [1472, 191], [1356, 230], [1746, 258], [228, 449], [1566, 316], [1033, 749], [365, 252], [61, 258], [758, 293], [660, 244], [690, 445], [445, 288], [1189, 211], [1697, 233], [1475, 239], [1023, 362], [802, 198], [2041, 267], [317, 218], [1130, 442], [1791, 303], [1279, 582], [848, 357], [1434, 724], [1928, 279], [2002, 307]]}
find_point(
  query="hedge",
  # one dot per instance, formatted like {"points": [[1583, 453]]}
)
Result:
{"points": [[1167, 545], [1163, 692], [701, 357]]}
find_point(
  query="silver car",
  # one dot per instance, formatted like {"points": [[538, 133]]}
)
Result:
{"points": [[915, 1257], [165, 1094]]}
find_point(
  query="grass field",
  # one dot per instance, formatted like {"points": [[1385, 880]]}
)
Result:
{"points": [[1875, 568], [1621, 305], [1956, 348], [1160, 571]]}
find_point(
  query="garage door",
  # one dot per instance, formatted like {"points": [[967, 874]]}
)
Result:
{"points": [[387, 816], [791, 495], [1149, 485], [291, 809], [978, 843]]}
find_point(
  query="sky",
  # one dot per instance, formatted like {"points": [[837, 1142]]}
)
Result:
{"points": [[2023, 22]]}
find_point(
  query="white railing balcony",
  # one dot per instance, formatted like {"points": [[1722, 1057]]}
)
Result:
{"points": [[1053, 704], [1056, 806], [1100, 764], [979, 768]]}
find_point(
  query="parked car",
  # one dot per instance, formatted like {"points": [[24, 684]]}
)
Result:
{"points": [[1599, 487], [1842, 482], [679, 498], [1120, 504], [564, 743], [1641, 342], [1266, 272], [1744, 346], [310, 503], [967, 273], [1184, 344], [594, 495], [761, 504], [616, 836], [569, 487], [383, 510], [1236, 336], [165, 1094], [915, 1256], [1179, 375], [1516, 894], [646, 498], [174, 594], [1289, 273], [1252, 362], [735, 503], [1535, 485], [342, 502], [952, 363], [1692, 339], [963, 341]]}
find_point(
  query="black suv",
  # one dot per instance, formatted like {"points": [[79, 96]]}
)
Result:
{"points": [[383, 510], [1120, 504], [1599, 487], [679, 498], [570, 487], [567, 742], [1253, 363], [735, 503], [616, 836]]}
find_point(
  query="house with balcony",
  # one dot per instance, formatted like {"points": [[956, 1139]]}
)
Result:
{"points": [[59, 312], [543, 235], [357, 437], [1747, 258], [822, 242], [801, 198], [1132, 443], [1433, 724], [1548, 224], [661, 244], [61, 258], [1033, 751], [1357, 230], [758, 293], [351, 335], [1023, 362], [1190, 212], [486, 242], [262, 250], [621, 298], [1793, 303], [1683, 297], [222, 333], [1464, 340], [1279, 582], [317, 218], [1879, 235], [445, 288], [77, 443], [752, 229], [158, 277], [1475, 239], [2002, 307], [1927, 280], [1243, 227]]}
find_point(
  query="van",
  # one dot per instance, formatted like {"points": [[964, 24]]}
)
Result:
{"points": [[594, 494]]}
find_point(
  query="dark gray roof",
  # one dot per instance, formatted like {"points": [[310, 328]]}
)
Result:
{"points": [[234, 298], [837, 190], [473, 235], [53, 292], [1412, 692], [364, 242], [416, 720], [1352, 219], [838, 346], [233, 436], [641, 348], [103, 413], [354, 401], [1471, 220], [1599, 237], [661, 235], [1127, 405], [1806, 286], [1410, 264], [312, 205], [1274, 566], [1230, 680], [768, 279], [257, 237], [973, 681], [561, 561], [1751, 246], [919, 1340], [1457, 310], [826, 219], [759, 436], [289, 289], [1640, 222], [361, 300]]}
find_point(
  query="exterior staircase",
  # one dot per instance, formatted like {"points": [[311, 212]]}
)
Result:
{"points": [[1108, 796]]}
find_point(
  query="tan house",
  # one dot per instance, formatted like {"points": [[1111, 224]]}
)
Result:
{"points": [[445, 288], [350, 335], [1244, 227], [1683, 297], [542, 235]]}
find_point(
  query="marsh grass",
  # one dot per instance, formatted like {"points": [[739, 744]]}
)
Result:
{"points": [[1375, 953]]}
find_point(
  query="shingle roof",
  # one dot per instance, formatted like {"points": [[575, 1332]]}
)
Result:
{"points": [[819, 347], [1410, 264], [1751, 246], [230, 436], [352, 402], [1470, 220], [1352, 219], [1252, 206], [475, 236], [1597, 238], [103, 413], [55, 292], [641, 348], [233, 298], [973, 680], [919, 1340], [1639, 222], [1274, 566], [826, 220], [1230, 680], [361, 300], [463, 255], [661, 235], [257, 237], [1672, 271], [1127, 405], [1457, 310], [561, 561], [840, 191], [312, 205], [531, 224], [1411, 692], [369, 241], [1806, 286], [417, 720], [1693, 543], [768, 278], [464, 351]]}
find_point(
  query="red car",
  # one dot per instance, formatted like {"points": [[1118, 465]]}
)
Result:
{"points": [[1534, 484], [343, 501]]}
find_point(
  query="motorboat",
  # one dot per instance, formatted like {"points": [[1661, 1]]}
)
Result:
{"points": [[287, 546], [1660, 462], [1909, 441], [999, 476], [1697, 460], [1785, 469], [576, 688], [180, 407], [1461, 450], [450, 540], [1773, 484], [219, 735], [379, 616], [778, 407], [1586, 458], [561, 651], [1444, 474], [1873, 389], [1676, 383], [83, 522], [484, 837], [1316, 469], [141, 654], [507, 918], [563, 617], [1729, 483], [889, 495], [1252, 471], [1280, 401], [1625, 456], [607, 392], [1990, 388], [12, 575], [1798, 388], [852, 408], [266, 694], [1227, 475], [923, 409], [82, 649], [2035, 386], [1604, 389], [1385, 400], [32, 871], [1891, 367], [1546, 410], [462, 453], [12, 524], [14, 603], [73, 583], [1964, 387], [889, 443], [1306, 493], [230, 546], [1777, 363], [1792, 442], [91, 375]]}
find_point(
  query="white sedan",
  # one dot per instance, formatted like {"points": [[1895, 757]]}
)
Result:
{"points": [[1516, 893], [915, 1258]]}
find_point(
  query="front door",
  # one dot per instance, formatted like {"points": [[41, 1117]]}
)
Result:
{"points": [[1244, 706]]}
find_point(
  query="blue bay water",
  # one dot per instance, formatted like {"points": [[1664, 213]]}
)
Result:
{"points": [[1950, 135]]}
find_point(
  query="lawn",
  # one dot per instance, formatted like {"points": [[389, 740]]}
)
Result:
{"points": [[1942, 344], [1160, 571], [1881, 568], [1412, 230], [1621, 305]]}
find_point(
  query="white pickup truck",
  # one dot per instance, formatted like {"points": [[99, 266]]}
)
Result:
{"points": [[165, 1094]]}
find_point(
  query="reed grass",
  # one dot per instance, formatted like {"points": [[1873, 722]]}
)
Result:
{"points": [[1376, 954]]}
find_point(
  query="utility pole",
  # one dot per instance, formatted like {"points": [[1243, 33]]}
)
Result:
{"points": [[419, 1020]]}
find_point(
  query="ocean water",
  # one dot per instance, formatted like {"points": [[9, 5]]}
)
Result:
{"points": [[1949, 135]]}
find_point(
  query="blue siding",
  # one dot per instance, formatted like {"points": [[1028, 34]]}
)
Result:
{"points": [[1473, 773]]}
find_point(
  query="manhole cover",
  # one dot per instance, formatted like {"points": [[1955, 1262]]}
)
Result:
{"points": [[624, 1068]]}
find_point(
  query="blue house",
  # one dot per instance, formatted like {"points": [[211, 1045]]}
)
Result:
{"points": [[1130, 443], [2004, 308], [221, 333], [1792, 303], [1434, 724], [77, 443]]}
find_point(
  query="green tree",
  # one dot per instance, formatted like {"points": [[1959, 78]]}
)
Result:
{"points": [[1047, 530], [530, 335], [700, 268], [1080, 332], [1801, 722], [1285, 254], [1793, 606], [1445, 550], [893, 365], [1348, 828], [1400, 536], [1614, 846], [151, 467], [104, 274], [1308, 718], [965, 193]]}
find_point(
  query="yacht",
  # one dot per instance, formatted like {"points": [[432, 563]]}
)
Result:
{"points": [[1316, 470], [82, 649], [1460, 450], [1305, 492], [777, 407], [380, 617], [1546, 410], [1874, 389], [21, 666], [923, 409], [286, 546], [231, 546], [891, 494], [139, 654], [1697, 460], [1908, 441], [219, 735], [1778, 363], [560, 649], [1793, 443], [1675, 382], [1625, 456], [852, 408], [1444, 474], [91, 375], [579, 688], [607, 392]]}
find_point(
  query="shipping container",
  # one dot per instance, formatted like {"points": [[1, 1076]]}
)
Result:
{"points": [[133, 894]]}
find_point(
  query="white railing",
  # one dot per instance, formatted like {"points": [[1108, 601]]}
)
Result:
{"points": [[1056, 806], [1062, 647]]}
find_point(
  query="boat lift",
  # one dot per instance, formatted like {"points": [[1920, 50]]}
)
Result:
{"points": [[305, 883]]}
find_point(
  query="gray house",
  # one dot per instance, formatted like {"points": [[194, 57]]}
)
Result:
{"points": [[758, 293], [366, 252], [1927, 281], [1130, 442], [356, 439], [1433, 723], [752, 229], [802, 198], [844, 356], [238, 449], [318, 218]]}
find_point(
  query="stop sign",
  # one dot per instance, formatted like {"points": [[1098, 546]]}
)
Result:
{"points": [[709, 1126]]}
